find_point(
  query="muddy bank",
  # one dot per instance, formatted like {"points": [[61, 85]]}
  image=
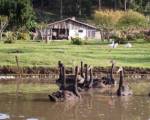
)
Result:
{"points": [[50, 70]]}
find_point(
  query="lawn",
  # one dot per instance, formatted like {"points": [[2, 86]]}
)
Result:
{"points": [[95, 53]]}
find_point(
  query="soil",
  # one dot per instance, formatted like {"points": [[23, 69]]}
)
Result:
{"points": [[48, 70]]}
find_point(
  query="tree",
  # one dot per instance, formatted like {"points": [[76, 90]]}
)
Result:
{"points": [[3, 25], [61, 9], [42, 27], [125, 5], [99, 4], [19, 12]]}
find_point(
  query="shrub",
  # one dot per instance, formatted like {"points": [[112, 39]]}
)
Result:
{"points": [[24, 36], [119, 37], [107, 18], [8, 41], [131, 37], [119, 19], [10, 37], [76, 41], [132, 19]]}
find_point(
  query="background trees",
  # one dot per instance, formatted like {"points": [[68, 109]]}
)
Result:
{"points": [[19, 12], [24, 12]]}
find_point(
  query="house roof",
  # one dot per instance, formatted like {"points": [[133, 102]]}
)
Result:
{"points": [[73, 20]]}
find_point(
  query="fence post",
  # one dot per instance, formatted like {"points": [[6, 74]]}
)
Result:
{"points": [[81, 69], [19, 74]]}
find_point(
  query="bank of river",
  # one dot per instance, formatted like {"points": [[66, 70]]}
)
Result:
{"points": [[54, 70]]}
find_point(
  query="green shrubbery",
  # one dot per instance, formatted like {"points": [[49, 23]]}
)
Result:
{"points": [[131, 19], [120, 19], [10, 37], [127, 25], [77, 41], [23, 36]]}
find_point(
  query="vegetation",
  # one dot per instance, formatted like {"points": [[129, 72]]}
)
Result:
{"points": [[132, 19], [26, 12], [94, 53], [19, 12], [85, 8], [122, 19], [77, 41]]}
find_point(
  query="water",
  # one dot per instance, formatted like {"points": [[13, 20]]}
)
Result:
{"points": [[93, 106]]}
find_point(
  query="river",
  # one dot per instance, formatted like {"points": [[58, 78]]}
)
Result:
{"points": [[93, 106]]}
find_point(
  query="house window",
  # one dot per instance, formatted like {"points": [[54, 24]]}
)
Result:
{"points": [[93, 34], [80, 31]]}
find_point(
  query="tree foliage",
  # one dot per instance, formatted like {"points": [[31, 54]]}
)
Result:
{"points": [[120, 19], [22, 12], [19, 12]]}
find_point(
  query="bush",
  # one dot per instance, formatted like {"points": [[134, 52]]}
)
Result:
{"points": [[23, 36], [8, 41], [132, 19], [10, 37], [119, 37], [76, 41], [120, 19], [107, 18]]}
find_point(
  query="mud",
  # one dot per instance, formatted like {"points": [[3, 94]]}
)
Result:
{"points": [[50, 70]]}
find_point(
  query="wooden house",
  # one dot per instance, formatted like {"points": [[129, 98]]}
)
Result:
{"points": [[70, 28]]}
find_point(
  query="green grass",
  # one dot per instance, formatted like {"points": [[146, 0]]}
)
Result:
{"points": [[95, 53]]}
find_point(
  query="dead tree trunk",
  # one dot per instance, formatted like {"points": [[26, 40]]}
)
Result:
{"points": [[125, 5]]}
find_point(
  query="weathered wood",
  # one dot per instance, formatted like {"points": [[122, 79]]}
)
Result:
{"points": [[91, 78], [60, 69], [86, 75], [19, 72], [81, 69], [112, 68], [63, 77], [76, 83], [120, 83]]}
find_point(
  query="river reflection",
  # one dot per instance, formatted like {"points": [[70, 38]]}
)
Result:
{"points": [[93, 106]]}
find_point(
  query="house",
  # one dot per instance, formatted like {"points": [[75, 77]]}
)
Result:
{"points": [[70, 28]]}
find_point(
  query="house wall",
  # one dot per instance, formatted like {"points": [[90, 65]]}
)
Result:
{"points": [[76, 30], [77, 33], [98, 35]]}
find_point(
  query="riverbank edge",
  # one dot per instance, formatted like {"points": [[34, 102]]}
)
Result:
{"points": [[69, 70]]}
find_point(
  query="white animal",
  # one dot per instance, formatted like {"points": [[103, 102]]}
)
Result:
{"points": [[113, 45], [128, 45]]}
